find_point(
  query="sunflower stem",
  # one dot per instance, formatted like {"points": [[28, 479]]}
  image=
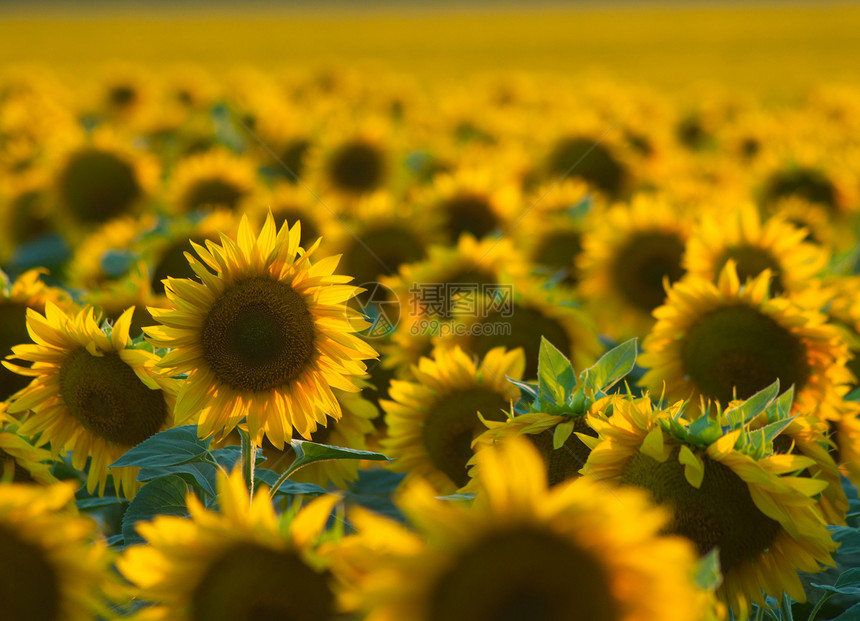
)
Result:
{"points": [[249, 459], [819, 605]]}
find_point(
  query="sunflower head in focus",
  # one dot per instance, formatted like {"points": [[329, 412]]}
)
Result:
{"points": [[628, 252], [433, 420], [264, 336], [729, 340], [61, 567], [725, 487], [214, 178], [754, 245], [27, 291], [241, 562], [521, 551], [91, 394]]}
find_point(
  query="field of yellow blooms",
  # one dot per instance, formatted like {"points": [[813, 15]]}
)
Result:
{"points": [[336, 340]]}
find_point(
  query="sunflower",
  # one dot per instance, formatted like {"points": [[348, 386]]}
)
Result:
{"points": [[725, 341], [477, 201], [91, 394], [822, 229], [724, 489], [533, 311], [101, 177], [124, 92], [289, 204], [264, 338], [521, 551], [241, 562], [215, 178], [628, 252], [20, 461], [433, 420], [58, 567], [754, 246], [28, 291], [25, 211]]}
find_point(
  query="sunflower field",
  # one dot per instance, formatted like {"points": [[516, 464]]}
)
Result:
{"points": [[403, 317]]}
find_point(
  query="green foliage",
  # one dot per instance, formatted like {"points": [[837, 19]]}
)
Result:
{"points": [[162, 496]]}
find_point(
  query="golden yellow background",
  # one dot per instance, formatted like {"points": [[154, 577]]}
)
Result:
{"points": [[764, 48]]}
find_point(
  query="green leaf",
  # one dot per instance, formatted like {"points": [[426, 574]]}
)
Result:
{"points": [[374, 490], [708, 574], [199, 473], [527, 390], [287, 488], [612, 366], [852, 614], [162, 496], [457, 497], [94, 502], [311, 452], [166, 448], [848, 583], [753, 406], [556, 376]]}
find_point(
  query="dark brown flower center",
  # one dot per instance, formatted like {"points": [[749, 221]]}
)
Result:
{"points": [[13, 331], [211, 193], [752, 261], [357, 167], [736, 350], [642, 263], [586, 159], [105, 395], [29, 585], [469, 213], [565, 462], [98, 185], [258, 335]]}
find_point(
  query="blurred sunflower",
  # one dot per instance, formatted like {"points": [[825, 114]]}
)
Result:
{"points": [[27, 291], [25, 210], [214, 178], [91, 394], [725, 341], [242, 562], [264, 338], [432, 421], [477, 201], [532, 311], [821, 228], [59, 565], [99, 178], [123, 92], [20, 461], [628, 252], [520, 551], [754, 245], [723, 490]]}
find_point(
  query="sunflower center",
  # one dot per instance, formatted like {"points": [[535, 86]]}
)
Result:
{"points": [[721, 513], [737, 350], [523, 573], [28, 221], [357, 167], [258, 335], [523, 327], [469, 213], [290, 215], [752, 261], [452, 423], [122, 96], [565, 462], [108, 398], [558, 251], [806, 183], [382, 251], [642, 264], [29, 585], [588, 160], [13, 331], [212, 192], [251, 582], [293, 160], [97, 186]]}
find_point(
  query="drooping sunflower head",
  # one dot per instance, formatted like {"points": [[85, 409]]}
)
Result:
{"points": [[263, 336], [92, 394], [754, 245], [61, 567], [241, 562], [727, 341], [215, 178], [27, 291], [725, 487], [522, 551], [432, 420], [629, 251]]}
